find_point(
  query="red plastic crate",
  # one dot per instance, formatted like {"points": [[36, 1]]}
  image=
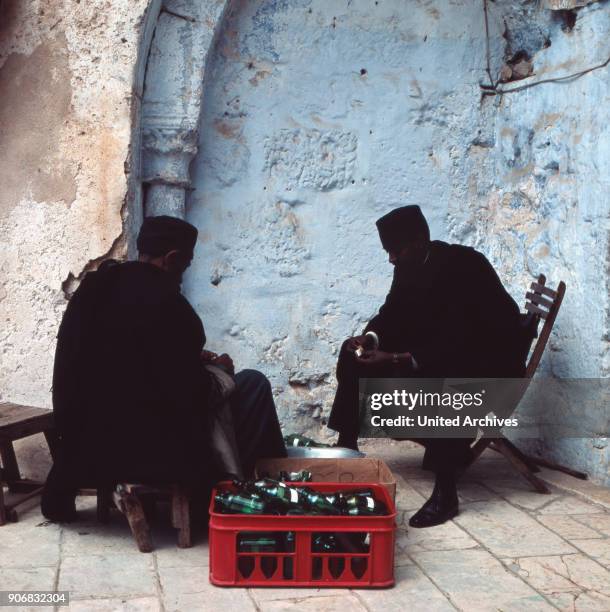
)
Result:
{"points": [[304, 567]]}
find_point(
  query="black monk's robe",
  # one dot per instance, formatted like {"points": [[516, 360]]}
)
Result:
{"points": [[129, 389], [453, 315]]}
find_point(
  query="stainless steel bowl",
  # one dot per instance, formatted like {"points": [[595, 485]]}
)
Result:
{"points": [[335, 452]]}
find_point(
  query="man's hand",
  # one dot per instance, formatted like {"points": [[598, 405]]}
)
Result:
{"points": [[354, 343], [374, 358], [208, 356], [224, 361]]}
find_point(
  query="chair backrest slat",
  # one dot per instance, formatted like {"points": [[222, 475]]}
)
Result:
{"points": [[546, 309], [540, 288], [535, 310], [537, 299]]}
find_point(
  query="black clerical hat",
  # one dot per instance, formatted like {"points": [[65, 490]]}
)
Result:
{"points": [[401, 226], [160, 235]]}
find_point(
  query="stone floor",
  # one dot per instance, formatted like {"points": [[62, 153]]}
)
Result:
{"points": [[509, 549]]}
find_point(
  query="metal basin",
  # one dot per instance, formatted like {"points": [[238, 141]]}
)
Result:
{"points": [[335, 452]]}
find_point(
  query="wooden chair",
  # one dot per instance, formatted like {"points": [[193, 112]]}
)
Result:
{"points": [[18, 422], [541, 303]]}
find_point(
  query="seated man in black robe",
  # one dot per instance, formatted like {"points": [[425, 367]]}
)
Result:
{"points": [[447, 315], [131, 390]]}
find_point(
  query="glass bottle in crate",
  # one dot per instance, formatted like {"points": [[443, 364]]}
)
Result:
{"points": [[241, 503]]}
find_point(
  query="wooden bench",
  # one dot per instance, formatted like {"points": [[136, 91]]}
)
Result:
{"points": [[18, 422]]}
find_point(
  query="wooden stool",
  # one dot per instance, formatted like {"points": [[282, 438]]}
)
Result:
{"points": [[127, 498], [18, 422]]}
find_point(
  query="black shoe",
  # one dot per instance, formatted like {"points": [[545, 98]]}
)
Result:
{"points": [[442, 505], [434, 512]]}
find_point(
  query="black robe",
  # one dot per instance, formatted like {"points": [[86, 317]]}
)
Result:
{"points": [[129, 391], [454, 316]]}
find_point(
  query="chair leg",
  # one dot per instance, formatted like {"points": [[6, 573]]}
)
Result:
{"points": [[104, 499], [522, 467], [2, 506], [181, 518], [525, 458], [557, 467], [130, 505], [10, 468]]}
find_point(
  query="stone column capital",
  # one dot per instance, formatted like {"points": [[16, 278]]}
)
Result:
{"points": [[167, 153]]}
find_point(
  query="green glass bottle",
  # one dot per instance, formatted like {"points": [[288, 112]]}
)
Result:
{"points": [[324, 543], [258, 542], [277, 490], [318, 502], [302, 476], [232, 503], [300, 440], [365, 505]]}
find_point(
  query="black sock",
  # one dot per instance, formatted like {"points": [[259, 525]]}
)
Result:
{"points": [[445, 485]]}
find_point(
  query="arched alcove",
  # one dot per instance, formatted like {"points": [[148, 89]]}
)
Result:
{"points": [[317, 118]]}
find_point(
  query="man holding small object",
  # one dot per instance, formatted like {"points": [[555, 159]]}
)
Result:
{"points": [[447, 315]]}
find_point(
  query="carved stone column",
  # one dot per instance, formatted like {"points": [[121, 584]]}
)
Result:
{"points": [[167, 154], [171, 104]]}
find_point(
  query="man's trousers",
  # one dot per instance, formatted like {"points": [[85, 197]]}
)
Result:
{"points": [[442, 454]]}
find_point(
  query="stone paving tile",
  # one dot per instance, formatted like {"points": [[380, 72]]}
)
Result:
{"points": [[597, 549], [472, 491], [509, 532], [562, 574], [407, 498], [189, 589], [423, 486], [261, 595], [228, 599], [107, 576], [169, 555], [580, 601], [141, 604], [475, 580], [519, 492], [27, 579], [567, 527], [442, 537], [84, 538], [314, 604], [31, 542], [568, 504], [413, 591], [599, 522]]}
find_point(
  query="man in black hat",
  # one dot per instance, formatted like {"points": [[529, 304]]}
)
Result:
{"points": [[132, 385], [447, 315]]}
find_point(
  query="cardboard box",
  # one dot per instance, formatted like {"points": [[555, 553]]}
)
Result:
{"points": [[365, 469]]}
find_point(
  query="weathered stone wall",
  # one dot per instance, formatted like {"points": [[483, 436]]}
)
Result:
{"points": [[68, 98], [316, 118], [70, 83]]}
